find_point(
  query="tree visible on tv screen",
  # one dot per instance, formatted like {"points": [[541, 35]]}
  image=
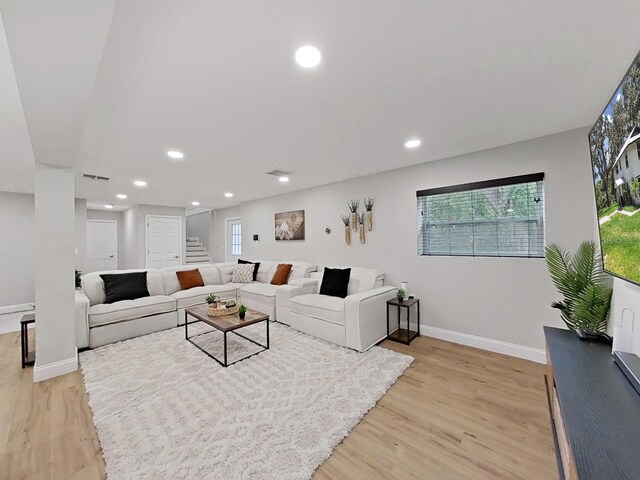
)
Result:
{"points": [[610, 133], [614, 145]]}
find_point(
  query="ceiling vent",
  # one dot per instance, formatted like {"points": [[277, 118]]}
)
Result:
{"points": [[278, 173], [97, 178]]}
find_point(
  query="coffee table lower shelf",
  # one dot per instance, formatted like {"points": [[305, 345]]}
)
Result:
{"points": [[226, 324]]}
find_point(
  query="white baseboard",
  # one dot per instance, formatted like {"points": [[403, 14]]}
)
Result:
{"points": [[22, 307], [45, 372], [521, 351]]}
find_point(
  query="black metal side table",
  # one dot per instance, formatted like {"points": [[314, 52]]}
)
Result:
{"points": [[28, 358], [402, 335]]}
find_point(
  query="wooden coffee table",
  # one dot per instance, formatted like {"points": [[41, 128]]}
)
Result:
{"points": [[225, 324]]}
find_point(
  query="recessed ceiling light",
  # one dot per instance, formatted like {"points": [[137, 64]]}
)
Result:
{"points": [[414, 143], [228, 194], [308, 56], [283, 179], [121, 196], [175, 154], [140, 183], [108, 205], [195, 204]]}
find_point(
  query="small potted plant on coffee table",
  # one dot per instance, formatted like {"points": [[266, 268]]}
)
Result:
{"points": [[401, 293], [212, 302], [242, 311]]}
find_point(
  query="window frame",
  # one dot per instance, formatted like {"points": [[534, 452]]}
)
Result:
{"points": [[236, 235], [473, 186]]}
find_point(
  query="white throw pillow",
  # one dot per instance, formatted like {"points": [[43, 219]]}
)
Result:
{"points": [[243, 273]]}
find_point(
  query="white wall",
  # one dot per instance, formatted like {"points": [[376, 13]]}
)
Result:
{"points": [[118, 217], [505, 299], [201, 225], [134, 232], [17, 249], [218, 232]]}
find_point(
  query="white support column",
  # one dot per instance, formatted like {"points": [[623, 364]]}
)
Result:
{"points": [[56, 352]]}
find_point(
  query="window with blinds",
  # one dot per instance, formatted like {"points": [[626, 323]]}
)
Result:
{"points": [[494, 218]]}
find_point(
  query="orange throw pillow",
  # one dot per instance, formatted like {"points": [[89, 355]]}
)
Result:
{"points": [[281, 277], [190, 278]]}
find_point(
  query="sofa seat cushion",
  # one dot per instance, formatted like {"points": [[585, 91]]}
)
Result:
{"points": [[262, 292], [196, 295], [106, 313], [323, 307]]}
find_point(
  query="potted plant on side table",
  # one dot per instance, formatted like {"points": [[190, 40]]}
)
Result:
{"points": [[585, 287], [400, 295]]}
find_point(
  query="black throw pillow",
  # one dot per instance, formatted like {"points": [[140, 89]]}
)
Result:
{"points": [[335, 282], [125, 286], [255, 269]]}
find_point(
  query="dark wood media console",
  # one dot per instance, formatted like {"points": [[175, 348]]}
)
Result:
{"points": [[595, 411]]}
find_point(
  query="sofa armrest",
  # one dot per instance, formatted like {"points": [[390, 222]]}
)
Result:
{"points": [[366, 317], [304, 282], [82, 319], [284, 293]]}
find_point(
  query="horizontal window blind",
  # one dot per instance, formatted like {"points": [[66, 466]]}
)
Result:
{"points": [[496, 218]]}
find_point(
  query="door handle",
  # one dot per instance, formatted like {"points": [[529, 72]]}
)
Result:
{"points": [[110, 256], [177, 256]]}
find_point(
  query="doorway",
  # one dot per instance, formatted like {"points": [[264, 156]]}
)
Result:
{"points": [[164, 241], [102, 245]]}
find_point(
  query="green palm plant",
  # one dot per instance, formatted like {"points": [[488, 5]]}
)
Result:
{"points": [[584, 286]]}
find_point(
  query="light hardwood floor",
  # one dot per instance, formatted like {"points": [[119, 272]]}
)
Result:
{"points": [[456, 413]]}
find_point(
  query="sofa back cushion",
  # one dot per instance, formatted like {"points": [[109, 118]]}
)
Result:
{"points": [[266, 270], [93, 285], [189, 279], [124, 286], [209, 273], [225, 270], [363, 279], [301, 270], [298, 270]]}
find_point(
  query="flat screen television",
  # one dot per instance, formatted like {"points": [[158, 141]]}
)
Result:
{"points": [[615, 159]]}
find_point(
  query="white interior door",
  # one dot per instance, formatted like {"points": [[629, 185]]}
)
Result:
{"points": [[233, 243], [102, 245], [164, 241]]}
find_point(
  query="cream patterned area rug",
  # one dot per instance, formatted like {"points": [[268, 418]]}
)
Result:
{"points": [[165, 410]]}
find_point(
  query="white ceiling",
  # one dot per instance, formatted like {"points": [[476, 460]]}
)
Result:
{"points": [[17, 164], [217, 80]]}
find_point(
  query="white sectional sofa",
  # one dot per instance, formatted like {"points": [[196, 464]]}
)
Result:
{"points": [[99, 323], [357, 321]]}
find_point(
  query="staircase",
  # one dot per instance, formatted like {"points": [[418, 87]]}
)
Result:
{"points": [[196, 253]]}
